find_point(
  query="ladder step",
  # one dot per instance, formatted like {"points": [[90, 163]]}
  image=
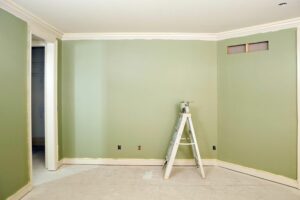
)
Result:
{"points": [[186, 143]]}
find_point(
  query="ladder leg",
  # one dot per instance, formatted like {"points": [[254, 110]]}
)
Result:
{"points": [[195, 146], [174, 147], [178, 123]]}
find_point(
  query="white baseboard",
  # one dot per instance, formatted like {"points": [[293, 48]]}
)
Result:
{"points": [[59, 163], [21, 192], [259, 173], [183, 162], [110, 161]]}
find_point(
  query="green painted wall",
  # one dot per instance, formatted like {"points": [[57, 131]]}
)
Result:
{"points": [[126, 92], [257, 104], [13, 105], [59, 97]]}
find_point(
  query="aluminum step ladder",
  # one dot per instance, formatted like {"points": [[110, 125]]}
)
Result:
{"points": [[185, 118]]}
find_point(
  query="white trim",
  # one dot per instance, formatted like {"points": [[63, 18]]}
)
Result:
{"points": [[36, 24], [129, 161], [21, 193], [140, 36], [259, 173], [298, 103], [263, 28], [35, 43], [51, 119], [59, 164]]}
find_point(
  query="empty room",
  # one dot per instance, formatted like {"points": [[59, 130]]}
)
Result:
{"points": [[149, 99]]}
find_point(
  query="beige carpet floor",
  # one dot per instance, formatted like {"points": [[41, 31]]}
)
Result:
{"points": [[146, 182]]}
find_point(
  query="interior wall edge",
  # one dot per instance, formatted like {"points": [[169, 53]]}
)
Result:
{"points": [[259, 173], [298, 102], [262, 28], [22, 192], [29, 121], [37, 25]]}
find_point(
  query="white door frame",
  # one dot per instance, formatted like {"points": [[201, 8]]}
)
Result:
{"points": [[298, 104], [51, 128]]}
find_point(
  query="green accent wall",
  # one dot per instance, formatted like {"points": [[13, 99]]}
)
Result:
{"points": [[59, 97], [127, 93], [257, 123], [14, 173]]}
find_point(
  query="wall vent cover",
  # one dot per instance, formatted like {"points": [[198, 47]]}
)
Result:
{"points": [[258, 46], [249, 47], [241, 48]]}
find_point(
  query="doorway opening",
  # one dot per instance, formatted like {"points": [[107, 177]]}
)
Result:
{"points": [[42, 108], [38, 107]]}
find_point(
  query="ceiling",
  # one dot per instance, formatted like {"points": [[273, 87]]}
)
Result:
{"points": [[168, 16]]}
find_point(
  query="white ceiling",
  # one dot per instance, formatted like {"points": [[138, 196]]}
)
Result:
{"points": [[185, 16]]}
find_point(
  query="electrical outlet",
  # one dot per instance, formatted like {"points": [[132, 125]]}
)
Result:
{"points": [[119, 147], [139, 147], [214, 147]]}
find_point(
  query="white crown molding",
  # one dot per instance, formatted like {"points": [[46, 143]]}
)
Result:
{"points": [[263, 28], [21, 193], [140, 36], [36, 24]]}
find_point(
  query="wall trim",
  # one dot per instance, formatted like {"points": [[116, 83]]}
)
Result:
{"points": [[298, 103], [130, 161], [51, 113], [39, 26], [35, 43], [259, 173], [263, 28], [140, 36], [21, 192]]}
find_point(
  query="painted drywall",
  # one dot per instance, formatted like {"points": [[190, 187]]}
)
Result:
{"points": [[13, 105], [127, 93], [59, 97], [257, 124]]}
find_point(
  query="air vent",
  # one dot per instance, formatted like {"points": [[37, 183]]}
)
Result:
{"points": [[241, 48], [258, 46], [249, 47]]}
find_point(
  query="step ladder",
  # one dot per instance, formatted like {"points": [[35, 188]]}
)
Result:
{"points": [[185, 118]]}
